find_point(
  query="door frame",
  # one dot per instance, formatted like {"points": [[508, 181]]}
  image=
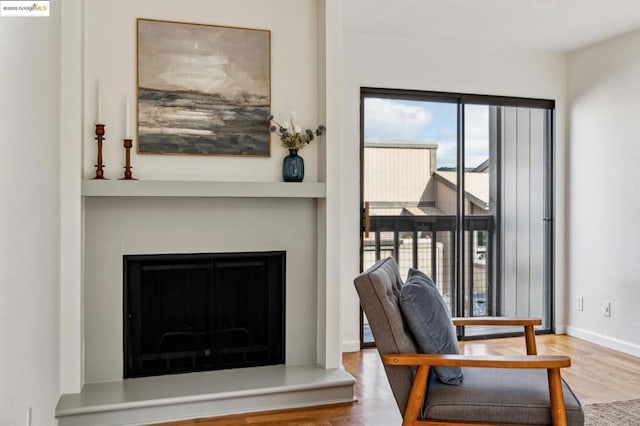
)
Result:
{"points": [[462, 99]]}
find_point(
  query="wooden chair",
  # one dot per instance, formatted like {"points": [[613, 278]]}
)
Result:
{"points": [[495, 389]]}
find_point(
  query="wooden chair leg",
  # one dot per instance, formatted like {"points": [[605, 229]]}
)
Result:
{"points": [[530, 340], [416, 397], [558, 410]]}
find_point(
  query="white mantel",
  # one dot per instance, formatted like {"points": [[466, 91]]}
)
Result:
{"points": [[204, 189]]}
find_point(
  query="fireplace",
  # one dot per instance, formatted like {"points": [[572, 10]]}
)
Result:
{"points": [[206, 311]]}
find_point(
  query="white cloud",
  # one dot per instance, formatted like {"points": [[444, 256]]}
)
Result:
{"points": [[476, 123], [476, 141], [476, 152], [388, 119], [476, 128], [447, 154]]}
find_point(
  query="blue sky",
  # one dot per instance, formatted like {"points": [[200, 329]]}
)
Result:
{"points": [[431, 122]]}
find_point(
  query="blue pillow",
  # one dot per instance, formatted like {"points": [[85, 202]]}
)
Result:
{"points": [[429, 320]]}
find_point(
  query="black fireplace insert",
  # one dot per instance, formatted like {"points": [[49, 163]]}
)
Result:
{"points": [[205, 311]]}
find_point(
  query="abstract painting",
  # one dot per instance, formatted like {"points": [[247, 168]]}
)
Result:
{"points": [[203, 89]]}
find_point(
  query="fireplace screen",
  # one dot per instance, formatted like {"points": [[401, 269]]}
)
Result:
{"points": [[195, 312]]}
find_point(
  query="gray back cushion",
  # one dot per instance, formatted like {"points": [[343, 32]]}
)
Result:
{"points": [[379, 289], [429, 320]]}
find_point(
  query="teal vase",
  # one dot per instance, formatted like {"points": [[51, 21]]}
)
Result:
{"points": [[293, 167]]}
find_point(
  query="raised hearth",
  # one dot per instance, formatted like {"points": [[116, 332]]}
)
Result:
{"points": [[150, 400]]}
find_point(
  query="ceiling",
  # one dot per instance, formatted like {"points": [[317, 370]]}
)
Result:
{"points": [[546, 25]]}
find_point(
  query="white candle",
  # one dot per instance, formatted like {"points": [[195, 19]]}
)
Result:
{"points": [[100, 103], [126, 112]]}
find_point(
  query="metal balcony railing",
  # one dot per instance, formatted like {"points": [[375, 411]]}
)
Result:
{"points": [[429, 243]]}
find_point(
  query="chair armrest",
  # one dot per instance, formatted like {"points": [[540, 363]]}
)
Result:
{"points": [[494, 361], [528, 323], [551, 363], [504, 321]]}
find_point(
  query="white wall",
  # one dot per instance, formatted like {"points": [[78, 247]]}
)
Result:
{"points": [[71, 120], [399, 63], [329, 224], [110, 57], [29, 218], [603, 225]]}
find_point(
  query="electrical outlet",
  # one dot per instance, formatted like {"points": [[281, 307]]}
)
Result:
{"points": [[579, 305], [606, 308]]}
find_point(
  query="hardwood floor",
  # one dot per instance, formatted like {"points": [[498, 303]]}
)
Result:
{"points": [[597, 374]]}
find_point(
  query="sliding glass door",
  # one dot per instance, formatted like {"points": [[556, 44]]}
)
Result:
{"points": [[459, 186]]}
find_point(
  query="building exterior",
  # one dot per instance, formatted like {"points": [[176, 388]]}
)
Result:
{"points": [[401, 179]]}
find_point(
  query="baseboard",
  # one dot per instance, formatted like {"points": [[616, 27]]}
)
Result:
{"points": [[350, 346], [561, 329], [606, 341]]}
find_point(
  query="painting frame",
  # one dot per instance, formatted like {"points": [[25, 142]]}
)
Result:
{"points": [[202, 89]]}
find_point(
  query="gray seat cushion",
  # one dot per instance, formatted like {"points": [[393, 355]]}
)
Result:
{"points": [[496, 395]]}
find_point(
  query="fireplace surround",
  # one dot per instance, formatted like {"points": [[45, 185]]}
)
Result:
{"points": [[205, 311], [187, 217]]}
